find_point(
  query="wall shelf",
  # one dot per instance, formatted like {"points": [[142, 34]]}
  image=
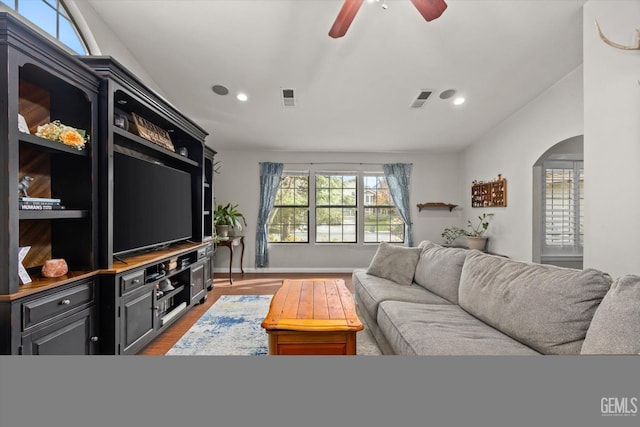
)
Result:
{"points": [[435, 205], [491, 194]]}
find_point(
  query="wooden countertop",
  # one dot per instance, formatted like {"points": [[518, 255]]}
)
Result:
{"points": [[40, 284]]}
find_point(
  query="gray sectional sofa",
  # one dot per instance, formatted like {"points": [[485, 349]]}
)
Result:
{"points": [[435, 300]]}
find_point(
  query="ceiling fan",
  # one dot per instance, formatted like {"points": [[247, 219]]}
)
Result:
{"points": [[429, 9]]}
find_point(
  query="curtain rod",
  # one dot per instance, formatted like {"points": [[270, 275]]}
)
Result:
{"points": [[333, 163]]}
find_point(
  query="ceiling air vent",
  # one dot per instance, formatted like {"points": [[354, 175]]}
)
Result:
{"points": [[421, 99], [288, 98]]}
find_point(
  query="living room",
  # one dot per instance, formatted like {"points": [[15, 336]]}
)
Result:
{"points": [[572, 105], [594, 99]]}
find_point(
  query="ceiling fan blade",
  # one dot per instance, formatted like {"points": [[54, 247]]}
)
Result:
{"points": [[430, 9], [344, 18]]}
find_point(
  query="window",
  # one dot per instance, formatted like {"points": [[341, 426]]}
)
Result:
{"points": [[346, 207], [52, 17], [336, 208], [563, 208], [382, 222], [289, 219]]}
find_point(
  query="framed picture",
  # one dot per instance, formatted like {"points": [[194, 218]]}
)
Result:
{"points": [[153, 133]]}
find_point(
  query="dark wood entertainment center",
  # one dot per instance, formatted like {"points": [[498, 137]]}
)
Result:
{"points": [[105, 304]]}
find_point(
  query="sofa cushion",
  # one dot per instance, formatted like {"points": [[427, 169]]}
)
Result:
{"points": [[372, 290], [546, 307], [439, 269], [615, 328], [397, 263], [442, 329]]}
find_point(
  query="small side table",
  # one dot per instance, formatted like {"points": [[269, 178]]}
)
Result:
{"points": [[231, 243]]}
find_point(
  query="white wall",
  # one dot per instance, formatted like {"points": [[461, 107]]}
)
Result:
{"points": [[511, 149], [612, 138], [107, 41], [434, 178]]}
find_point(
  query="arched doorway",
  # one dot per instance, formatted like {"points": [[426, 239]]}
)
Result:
{"points": [[558, 202]]}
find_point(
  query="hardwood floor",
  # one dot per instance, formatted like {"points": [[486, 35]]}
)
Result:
{"points": [[246, 284]]}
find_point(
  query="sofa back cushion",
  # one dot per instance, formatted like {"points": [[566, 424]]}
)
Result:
{"points": [[396, 263], [546, 307], [615, 328], [439, 269]]}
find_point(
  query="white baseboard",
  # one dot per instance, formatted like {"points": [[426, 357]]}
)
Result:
{"points": [[286, 270]]}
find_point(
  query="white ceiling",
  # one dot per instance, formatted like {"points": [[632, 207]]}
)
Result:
{"points": [[352, 93]]}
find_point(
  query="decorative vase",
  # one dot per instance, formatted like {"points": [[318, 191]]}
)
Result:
{"points": [[474, 242]]}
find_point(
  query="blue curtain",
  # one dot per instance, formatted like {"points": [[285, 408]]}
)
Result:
{"points": [[270, 174], [398, 177]]}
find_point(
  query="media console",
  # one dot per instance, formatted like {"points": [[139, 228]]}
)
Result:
{"points": [[142, 295]]}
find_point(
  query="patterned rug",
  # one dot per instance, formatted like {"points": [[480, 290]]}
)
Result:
{"points": [[231, 327]]}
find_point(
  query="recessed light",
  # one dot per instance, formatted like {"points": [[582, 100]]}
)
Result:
{"points": [[220, 90], [459, 100], [446, 94], [242, 97]]}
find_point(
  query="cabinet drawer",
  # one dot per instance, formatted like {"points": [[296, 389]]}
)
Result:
{"points": [[131, 282], [47, 307]]}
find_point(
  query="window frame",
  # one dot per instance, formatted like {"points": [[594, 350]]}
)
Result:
{"points": [[330, 206], [391, 206], [62, 12], [360, 206], [293, 173]]}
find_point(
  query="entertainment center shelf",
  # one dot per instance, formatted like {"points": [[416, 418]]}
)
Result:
{"points": [[53, 147], [101, 305], [128, 140], [54, 214]]}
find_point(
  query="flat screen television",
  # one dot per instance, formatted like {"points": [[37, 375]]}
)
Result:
{"points": [[151, 205]]}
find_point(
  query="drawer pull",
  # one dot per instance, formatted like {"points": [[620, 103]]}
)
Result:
{"points": [[65, 302], [135, 281], [94, 339]]}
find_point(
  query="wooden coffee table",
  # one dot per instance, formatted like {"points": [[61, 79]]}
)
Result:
{"points": [[312, 317]]}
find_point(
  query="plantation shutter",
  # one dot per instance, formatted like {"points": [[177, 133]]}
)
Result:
{"points": [[563, 208]]}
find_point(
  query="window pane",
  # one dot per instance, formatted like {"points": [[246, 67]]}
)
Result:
{"points": [[69, 36], [40, 14], [52, 18], [336, 208], [382, 220], [335, 197], [289, 219]]}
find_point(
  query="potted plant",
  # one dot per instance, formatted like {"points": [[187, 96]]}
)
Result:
{"points": [[226, 217], [475, 237], [450, 234]]}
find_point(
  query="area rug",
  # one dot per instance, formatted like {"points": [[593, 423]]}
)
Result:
{"points": [[231, 327]]}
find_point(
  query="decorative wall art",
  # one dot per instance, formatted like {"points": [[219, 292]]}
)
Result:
{"points": [[490, 194]]}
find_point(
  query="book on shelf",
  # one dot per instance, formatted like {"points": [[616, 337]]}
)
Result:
{"points": [[39, 204], [38, 200], [29, 207]]}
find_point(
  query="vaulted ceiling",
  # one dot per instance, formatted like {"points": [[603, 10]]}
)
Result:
{"points": [[353, 93]]}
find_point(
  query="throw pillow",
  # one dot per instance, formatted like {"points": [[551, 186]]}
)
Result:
{"points": [[396, 263], [615, 328], [439, 269]]}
